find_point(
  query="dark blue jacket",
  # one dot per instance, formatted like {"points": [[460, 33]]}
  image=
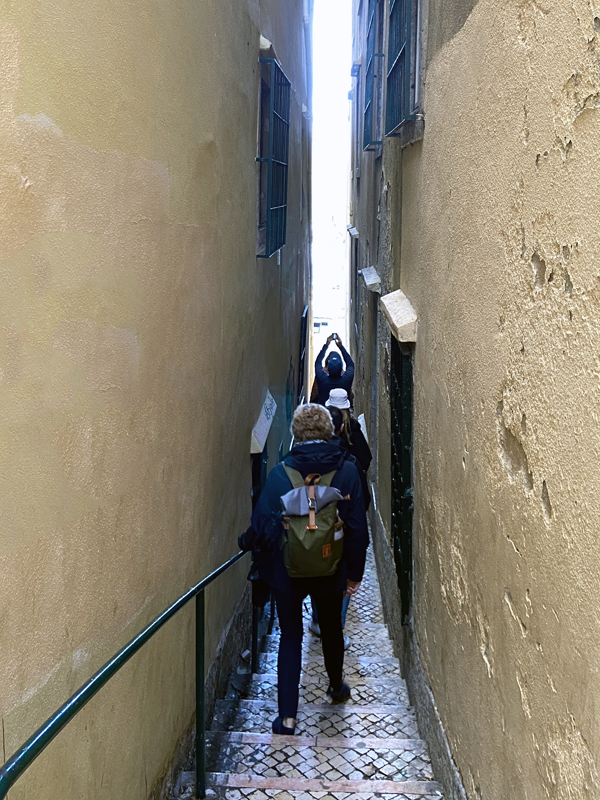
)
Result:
{"points": [[326, 383], [348, 456], [264, 536]]}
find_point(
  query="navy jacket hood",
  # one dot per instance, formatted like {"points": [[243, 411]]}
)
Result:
{"points": [[321, 457]]}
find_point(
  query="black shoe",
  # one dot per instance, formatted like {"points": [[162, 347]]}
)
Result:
{"points": [[341, 694], [281, 729]]}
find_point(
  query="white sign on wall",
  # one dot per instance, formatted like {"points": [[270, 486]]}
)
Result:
{"points": [[263, 424]]}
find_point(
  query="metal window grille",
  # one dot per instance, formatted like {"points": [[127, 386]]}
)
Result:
{"points": [[398, 83], [369, 114], [276, 158], [355, 255], [356, 121], [302, 354]]}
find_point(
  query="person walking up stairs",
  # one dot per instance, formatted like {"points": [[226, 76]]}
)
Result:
{"points": [[366, 747]]}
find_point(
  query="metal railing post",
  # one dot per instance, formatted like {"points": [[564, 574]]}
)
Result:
{"points": [[200, 731], [272, 618], [22, 759]]}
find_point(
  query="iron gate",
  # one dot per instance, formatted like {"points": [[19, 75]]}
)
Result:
{"points": [[401, 396]]}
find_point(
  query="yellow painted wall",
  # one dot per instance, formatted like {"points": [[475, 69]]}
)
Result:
{"points": [[138, 337], [500, 257]]}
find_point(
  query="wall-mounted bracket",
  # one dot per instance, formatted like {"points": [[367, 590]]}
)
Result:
{"points": [[371, 279], [401, 316]]}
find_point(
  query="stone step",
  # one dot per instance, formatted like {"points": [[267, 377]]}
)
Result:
{"points": [[299, 757], [245, 793], [365, 749], [314, 719], [365, 610], [354, 666], [367, 629], [388, 690], [357, 627], [220, 737], [427, 789], [359, 666], [355, 674], [369, 647], [354, 629]]}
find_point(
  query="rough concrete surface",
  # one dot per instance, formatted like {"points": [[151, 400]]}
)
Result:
{"points": [[489, 226], [407, 649], [500, 257]]}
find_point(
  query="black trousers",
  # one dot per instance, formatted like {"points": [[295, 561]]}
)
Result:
{"points": [[328, 602]]}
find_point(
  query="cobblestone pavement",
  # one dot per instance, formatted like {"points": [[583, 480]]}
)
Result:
{"points": [[366, 748]]}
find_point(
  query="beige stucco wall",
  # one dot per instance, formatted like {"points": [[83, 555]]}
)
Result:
{"points": [[490, 226], [138, 337], [500, 256]]}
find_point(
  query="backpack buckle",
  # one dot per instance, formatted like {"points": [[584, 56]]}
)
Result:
{"points": [[312, 508]]}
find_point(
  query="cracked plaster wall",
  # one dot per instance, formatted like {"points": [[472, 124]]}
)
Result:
{"points": [[138, 336], [500, 256]]}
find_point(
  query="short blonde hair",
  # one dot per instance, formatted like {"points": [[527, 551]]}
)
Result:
{"points": [[310, 422]]}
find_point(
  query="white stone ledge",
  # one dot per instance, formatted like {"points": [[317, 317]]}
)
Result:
{"points": [[401, 316], [371, 279]]}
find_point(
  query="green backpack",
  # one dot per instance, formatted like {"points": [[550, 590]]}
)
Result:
{"points": [[313, 541]]}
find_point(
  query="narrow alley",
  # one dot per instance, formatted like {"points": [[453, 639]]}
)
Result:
{"points": [[284, 285]]}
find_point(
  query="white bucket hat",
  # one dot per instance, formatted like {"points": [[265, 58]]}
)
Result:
{"points": [[338, 398]]}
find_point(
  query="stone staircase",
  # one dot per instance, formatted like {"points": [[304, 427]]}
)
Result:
{"points": [[365, 748]]}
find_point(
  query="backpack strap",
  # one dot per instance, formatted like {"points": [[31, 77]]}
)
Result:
{"points": [[311, 480], [327, 478], [295, 477], [297, 480]]}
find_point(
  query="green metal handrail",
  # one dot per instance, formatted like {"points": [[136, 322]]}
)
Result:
{"points": [[27, 753]]}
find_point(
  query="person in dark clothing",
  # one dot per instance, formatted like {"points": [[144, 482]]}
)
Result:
{"points": [[351, 432], [338, 438], [312, 453], [333, 376]]}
